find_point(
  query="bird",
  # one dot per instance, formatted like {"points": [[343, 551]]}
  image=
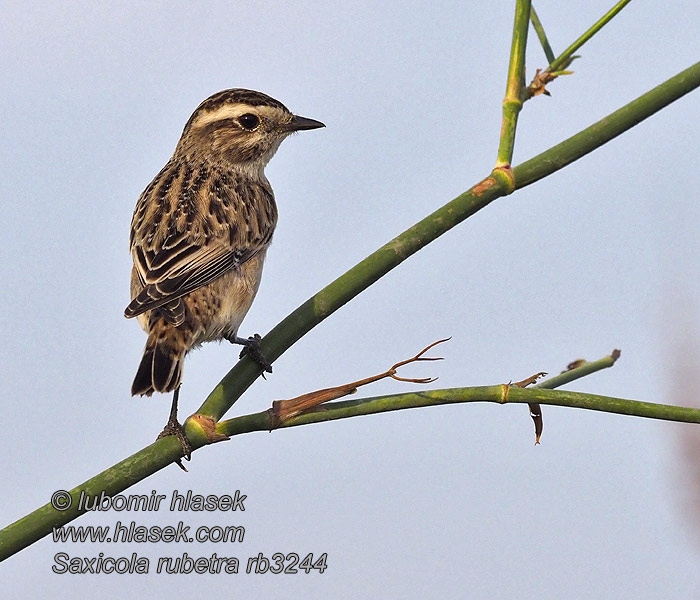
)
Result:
{"points": [[200, 231]]}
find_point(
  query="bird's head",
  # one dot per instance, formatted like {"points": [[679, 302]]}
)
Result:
{"points": [[241, 127]]}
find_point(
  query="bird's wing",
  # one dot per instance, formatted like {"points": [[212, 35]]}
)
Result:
{"points": [[180, 267]]}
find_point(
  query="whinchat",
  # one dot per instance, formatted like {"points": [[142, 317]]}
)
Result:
{"points": [[201, 229]]}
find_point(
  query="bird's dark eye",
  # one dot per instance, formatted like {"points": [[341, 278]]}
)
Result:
{"points": [[249, 121]]}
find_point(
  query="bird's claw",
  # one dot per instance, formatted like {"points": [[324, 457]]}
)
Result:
{"points": [[251, 348]]}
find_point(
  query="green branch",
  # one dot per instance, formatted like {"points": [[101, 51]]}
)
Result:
{"points": [[499, 394], [513, 101]]}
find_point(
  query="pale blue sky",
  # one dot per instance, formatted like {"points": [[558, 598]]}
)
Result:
{"points": [[451, 502]]}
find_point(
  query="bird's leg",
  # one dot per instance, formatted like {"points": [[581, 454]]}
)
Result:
{"points": [[251, 347], [173, 427]]}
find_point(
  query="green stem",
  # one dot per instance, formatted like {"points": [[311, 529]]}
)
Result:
{"points": [[499, 394], [513, 101], [563, 60], [587, 368], [539, 30]]}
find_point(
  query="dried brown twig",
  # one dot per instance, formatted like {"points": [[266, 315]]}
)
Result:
{"points": [[283, 410]]}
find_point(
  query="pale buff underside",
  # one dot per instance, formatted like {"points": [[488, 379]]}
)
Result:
{"points": [[212, 311]]}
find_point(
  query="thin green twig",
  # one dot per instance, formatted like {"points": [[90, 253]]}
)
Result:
{"points": [[542, 36], [563, 60], [581, 371], [513, 101], [556, 67]]}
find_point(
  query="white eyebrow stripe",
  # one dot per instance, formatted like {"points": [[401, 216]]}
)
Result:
{"points": [[232, 111], [227, 111]]}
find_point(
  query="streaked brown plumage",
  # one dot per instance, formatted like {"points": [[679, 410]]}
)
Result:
{"points": [[201, 228]]}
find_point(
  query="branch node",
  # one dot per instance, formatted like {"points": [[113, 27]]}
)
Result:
{"points": [[504, 176], [205, 427]]}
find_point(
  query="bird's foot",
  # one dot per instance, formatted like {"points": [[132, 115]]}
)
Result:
{"points": [[251, 347], [173, 427]]}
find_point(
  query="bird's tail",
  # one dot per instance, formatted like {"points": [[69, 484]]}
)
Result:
{"points": [[160, 369]]}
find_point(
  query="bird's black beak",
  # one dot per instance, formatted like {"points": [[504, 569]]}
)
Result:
{"points": [[302, 123]]}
